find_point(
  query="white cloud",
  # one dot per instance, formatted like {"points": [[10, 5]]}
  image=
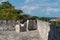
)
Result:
{"points": [[27, 1], [28, 9], [53, 9], [49, 10], [42, 6]]}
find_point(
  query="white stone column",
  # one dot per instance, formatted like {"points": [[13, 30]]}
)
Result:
{"points": [[17, 28], [27, 25]]}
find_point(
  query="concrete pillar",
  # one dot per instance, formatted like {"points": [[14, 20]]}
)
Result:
{"points": [[17, 28]]}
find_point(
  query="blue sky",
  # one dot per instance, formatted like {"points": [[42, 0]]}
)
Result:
{"points": [[41, 8]]}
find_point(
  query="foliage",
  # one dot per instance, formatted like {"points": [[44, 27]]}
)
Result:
{"points": [[57, 23], [8, 11], [24, 16], [34, 18], [45, 19]]}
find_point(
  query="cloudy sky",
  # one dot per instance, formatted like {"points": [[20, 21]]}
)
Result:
{"points": [[41, 8]]}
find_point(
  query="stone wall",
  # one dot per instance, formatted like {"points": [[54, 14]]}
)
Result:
{"points": [[44, 31], [43, 28], [48, 31], [6, 34], [12, 35], [7, 25], [10, 25]]}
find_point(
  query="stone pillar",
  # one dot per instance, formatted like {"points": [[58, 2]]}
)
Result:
{"points": [[27, 25], [43, 29], [17, 28]]}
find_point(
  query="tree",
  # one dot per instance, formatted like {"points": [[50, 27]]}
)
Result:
{"points": [[24, 16], [6, 4], [8, 11], [45, 19], [34, 17]]}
